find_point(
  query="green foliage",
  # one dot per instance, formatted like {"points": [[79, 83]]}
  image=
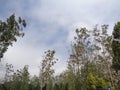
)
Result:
{"points": [[25, 78], [9, 31], [116, 54], [116, 31], [93, 82], [34, 83], [116, 46], [18, 80], [56, 87], [89, 66]]}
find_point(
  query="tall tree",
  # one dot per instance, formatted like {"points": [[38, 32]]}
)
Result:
{"points": [[116, 54], [91, 53], [9, 31], [104, 52], [46, 69], [116, 47], [25, 78], [8, 75], [20, 79], [79, 59], [34, 83]]}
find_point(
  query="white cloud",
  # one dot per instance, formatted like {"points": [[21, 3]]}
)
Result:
{"points": [[46, 17], [69, 13], [20, 55]]}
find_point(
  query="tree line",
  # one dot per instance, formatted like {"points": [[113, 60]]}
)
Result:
{"points": [[93, 64]]}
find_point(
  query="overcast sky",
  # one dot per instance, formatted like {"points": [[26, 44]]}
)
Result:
{"points": [[51, 25]]}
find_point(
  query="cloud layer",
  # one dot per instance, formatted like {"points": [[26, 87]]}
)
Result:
{"points": [[51, 25]]}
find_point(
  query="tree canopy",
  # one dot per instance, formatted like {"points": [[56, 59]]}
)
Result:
{"points": [[9, 31], [116, 47]]}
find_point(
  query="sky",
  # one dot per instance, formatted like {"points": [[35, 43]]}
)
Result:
{"points": [[51, 25]]}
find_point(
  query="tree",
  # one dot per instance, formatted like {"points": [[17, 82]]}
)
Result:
{"points": [[116, 47], [46, 69], [104, 53], [8, 75], [34, 83], [80, 58], [116, 54], [20, 79], [9, 31], [91, 53], [97, 83], [9, 72], [25, 78], [17, 80]]}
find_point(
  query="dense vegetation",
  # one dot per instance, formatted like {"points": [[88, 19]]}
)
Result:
{"points": [[93, 63]]}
